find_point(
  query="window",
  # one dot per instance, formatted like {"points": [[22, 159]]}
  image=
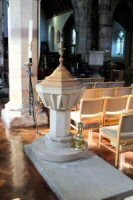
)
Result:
{"points": [[118, 45], [73, 37], [73, 42]]}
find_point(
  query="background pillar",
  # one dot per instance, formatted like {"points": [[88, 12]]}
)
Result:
{"points": [[105, 29], [1, 33], [20, 12], [132, 52]]}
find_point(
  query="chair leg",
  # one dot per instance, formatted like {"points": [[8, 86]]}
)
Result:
{"points": [[122, 160], [100, 140], [90, 138], [117, 157]]}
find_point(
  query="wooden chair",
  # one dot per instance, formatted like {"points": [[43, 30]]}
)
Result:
{"points": [[114, 107], [90, 114], [98, 79], [122, 91], [90, 94], [116, 84], [89, 85], [106, 92], [120, 136], [130, 104], [100, 85]]}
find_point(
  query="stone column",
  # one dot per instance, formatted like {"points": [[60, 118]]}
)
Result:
{"points": [[128, 48], [20, 12], [89, 27], [80, 12], [1, 33], [82, 34], [105, 30], [132, 52]]}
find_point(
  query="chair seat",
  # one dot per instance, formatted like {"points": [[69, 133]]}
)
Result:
{"points": [[75, 116], [89, 121], [92, 118], [111, 132], [130, 110], [113, 116], [120, 136]]}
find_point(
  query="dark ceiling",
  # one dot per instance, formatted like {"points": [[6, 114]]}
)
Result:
{"points": [[55, 7], [124, 14]]}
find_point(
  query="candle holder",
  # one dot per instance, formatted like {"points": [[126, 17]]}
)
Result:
{"points": [[31, 95]]}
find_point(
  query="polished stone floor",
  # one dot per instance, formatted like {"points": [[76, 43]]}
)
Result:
{"points": [[19, 178]]}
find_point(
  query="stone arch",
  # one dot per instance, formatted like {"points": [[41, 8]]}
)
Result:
{"points": [[114, 5], [76, 13]]}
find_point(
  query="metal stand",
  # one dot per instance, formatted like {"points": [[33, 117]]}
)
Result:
{"points": [[31, 96], [2, 81]]}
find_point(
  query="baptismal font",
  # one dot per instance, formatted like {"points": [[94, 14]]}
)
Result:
{"points": [[59, 92]]}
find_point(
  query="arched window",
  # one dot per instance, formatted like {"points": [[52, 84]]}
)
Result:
{"points": [[122, 40], [73, 37], [118, 45], [73, 42], [118, 40]]}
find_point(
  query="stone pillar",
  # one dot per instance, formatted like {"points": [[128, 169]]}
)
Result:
{"points": [[105, 30], [82, 32], [2, 80], [80, 12], [19, 14], [1, 33], [128, 48], [89, 27], [132, 52]]}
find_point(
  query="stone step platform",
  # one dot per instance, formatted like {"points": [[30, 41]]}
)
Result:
{"points": [[90, 178]]}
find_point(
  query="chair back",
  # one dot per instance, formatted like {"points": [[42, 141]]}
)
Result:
{"points": [[90, 94], [106, 92], [130, 104], [100, 85], [116, 84], [89, 85], [122, 91], [93, 106], [116, 104], [126, 124], [98, 79], [85, 80]]}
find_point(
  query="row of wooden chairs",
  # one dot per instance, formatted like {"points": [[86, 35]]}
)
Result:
{"points": [[89, 85], [95, 113], [107, 92], [109, 84], [91, 80], [114, 117]]}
